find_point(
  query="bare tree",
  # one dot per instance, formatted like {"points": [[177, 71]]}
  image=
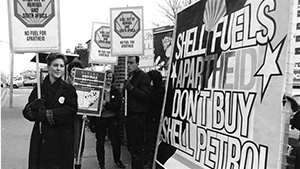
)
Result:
{"points": [[170, 8]]}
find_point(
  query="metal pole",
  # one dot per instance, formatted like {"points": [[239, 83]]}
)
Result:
{"points": [[126, 77], [11, 79], [38, 84], [78, 158], [38, 76]]}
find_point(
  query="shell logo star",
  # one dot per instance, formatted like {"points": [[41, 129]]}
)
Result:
{"points": [[270, 66]]}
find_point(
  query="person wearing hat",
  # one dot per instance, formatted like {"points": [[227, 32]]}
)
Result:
{"points": [[52, 140]]}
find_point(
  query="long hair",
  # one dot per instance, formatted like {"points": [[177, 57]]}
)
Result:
{"points": [[113, 75]]}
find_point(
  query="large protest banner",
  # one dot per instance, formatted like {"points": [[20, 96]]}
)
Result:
{"points": [[228, 73], [100, 44], [34, 26]]}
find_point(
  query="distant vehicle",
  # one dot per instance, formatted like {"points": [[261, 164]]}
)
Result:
{"points": [[18, 81], [30, 82]]}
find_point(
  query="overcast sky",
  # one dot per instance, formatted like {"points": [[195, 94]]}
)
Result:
{"points": [[76, 24]]}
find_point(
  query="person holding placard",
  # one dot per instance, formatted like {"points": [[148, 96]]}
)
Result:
{"points": [[109, 121], [52, 140], [138, 94], [78, 118]]}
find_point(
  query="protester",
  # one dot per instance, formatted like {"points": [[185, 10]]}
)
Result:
{"points": [[138, 93], [78, 120], [109, 121], [153, 115], [295, 123], [52, 143]]}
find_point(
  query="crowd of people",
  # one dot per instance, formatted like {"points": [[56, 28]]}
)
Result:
{"points": [[56, 136]]}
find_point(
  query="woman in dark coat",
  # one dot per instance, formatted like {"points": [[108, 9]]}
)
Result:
{"points": [[52, 143], [108, 121]]}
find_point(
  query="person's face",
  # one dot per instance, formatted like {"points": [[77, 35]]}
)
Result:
{"points": [[131, 64], [72, 73], [56, 69], [109, 78]]}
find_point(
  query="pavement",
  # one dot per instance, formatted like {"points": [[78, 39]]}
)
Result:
{"points": [[15, 137]]}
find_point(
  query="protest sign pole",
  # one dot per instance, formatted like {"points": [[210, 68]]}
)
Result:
{"points": [[38, 76], [11, 79], [38, 84], [126, 78], [78, 160]]}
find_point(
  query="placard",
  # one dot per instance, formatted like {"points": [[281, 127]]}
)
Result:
{"points": [[162, 39], [89, 88], [34, 26], [147, 60], [127, 27], [101, 44], [228, 75]]}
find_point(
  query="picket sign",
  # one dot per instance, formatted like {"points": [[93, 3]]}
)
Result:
{"points": [[230, 67]]}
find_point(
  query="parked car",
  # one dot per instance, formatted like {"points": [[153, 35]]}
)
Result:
{"points": [[18, 81], [30, 82]]}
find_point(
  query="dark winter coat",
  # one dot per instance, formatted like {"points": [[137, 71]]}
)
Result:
{"points": [[155, 103], [138, 97], [115, 100], [113, 105], [54, 147]]}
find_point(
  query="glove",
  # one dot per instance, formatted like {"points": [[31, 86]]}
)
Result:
{"points": [[38, 104], [127, 85], [40, 115], [28, 113], [45, 114]]}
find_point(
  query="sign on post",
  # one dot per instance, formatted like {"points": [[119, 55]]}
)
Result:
{"points": [[127, 27], [228, 74], [162, 39], [147, 60], [34, 26], [101, 44], [89, 87]]}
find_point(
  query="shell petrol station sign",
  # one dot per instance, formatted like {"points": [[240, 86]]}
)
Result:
{"points": [[127, 31], [34, 25]]}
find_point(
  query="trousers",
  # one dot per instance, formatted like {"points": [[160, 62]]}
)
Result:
{"points": [[134, 126], [102, 125]]}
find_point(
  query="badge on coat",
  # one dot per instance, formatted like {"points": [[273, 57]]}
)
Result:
{"points": [[61, 100]]}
